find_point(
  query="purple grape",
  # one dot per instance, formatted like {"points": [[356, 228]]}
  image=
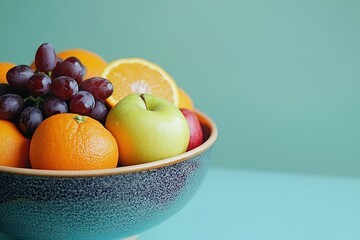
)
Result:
{"points": [[45, 58], [99, 87], [19, 76], [39, 84], [53, 105], [30, 118], [83, 103], [99, 112], [10, 105], [72, 67], [56, 72], [64, 87]]}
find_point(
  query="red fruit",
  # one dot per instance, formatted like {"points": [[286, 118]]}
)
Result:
{"points": [[196, 134]]}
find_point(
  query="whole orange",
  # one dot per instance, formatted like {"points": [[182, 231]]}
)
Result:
{"points": [[72, 142], [4, 68], [14, 147], [184, 100]]}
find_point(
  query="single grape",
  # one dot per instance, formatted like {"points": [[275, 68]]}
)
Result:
{"points": [[39, 84], [99, 112], [64, 87], [19, 76], [45, 58], [99, 87], [30, 118], [56, 72], [10, 105], [83, 103], [53, 105], [72, 67]]}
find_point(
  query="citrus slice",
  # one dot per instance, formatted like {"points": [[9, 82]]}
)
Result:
{"points": [[135, 75]]}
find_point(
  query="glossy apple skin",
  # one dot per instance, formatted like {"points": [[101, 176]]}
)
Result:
{"points": [[147, 130], [196, 134]]}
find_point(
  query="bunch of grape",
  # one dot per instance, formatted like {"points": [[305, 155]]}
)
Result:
{"points": [[57, 86]]}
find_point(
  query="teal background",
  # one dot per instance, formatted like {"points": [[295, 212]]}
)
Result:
{"points": [[280, 78]]}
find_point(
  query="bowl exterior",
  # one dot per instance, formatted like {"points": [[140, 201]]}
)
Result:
{"points": [[102, 207]]}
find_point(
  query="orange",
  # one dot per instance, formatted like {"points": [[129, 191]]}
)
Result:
{"points": [[72, 142], [185, 100], [93, 63], [4, 68], [135, 75], [14, 147]]}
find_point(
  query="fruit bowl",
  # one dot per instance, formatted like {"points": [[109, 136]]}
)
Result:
{"points": [[101, 204]]}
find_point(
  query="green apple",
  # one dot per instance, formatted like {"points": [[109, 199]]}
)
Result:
{"points": [[147, 128]]}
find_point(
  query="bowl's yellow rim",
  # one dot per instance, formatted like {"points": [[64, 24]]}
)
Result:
{"points": [[204, 119]]}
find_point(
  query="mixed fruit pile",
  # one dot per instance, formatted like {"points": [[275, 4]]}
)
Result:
{"points": [[74, 111]]}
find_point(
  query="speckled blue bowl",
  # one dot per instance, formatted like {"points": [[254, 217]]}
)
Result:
{"points": [[101, 204]]}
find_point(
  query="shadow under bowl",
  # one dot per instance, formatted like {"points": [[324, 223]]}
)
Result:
{"points": [[101, 204]]}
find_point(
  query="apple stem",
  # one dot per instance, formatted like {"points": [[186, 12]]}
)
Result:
{"points": [[143, 98]]}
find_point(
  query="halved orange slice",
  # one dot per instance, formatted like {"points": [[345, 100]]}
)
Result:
{"points": [[136, 75]]}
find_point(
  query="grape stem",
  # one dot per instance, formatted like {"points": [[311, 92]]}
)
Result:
{"points": [[35, 101]]}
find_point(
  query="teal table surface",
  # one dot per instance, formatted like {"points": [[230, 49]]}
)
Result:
{"points": [[243, 204]]}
